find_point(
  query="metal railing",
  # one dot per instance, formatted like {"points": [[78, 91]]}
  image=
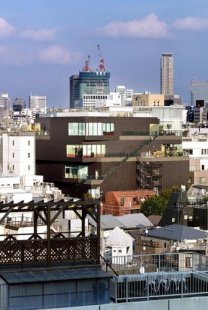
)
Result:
{"points": [[147, 263], [158, 285]]}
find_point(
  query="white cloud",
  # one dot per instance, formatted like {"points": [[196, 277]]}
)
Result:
{"points": [[148, 26], [39, 35], [57, 54], [6, 29], [191, 23], [14, 56]]}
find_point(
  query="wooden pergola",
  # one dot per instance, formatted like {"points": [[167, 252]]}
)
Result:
{"points": [[55, 248]]}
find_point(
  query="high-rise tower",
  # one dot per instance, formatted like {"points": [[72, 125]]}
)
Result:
{"points": [[166, 74], [89, 85]]}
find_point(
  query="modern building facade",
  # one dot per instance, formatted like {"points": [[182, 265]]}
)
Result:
{"points": [[199, 91], [99, 154], [148, 100], [38, 103], [17, 154], [167, 74], [126, 95], [89, 82], [74, 91]]}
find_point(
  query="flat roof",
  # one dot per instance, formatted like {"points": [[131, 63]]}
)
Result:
{"points": [[52, 275]]}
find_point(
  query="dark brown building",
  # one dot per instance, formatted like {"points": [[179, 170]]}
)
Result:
{"points": [[100, 154]]}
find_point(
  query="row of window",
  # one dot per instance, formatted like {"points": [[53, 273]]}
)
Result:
{"points": [[11, 167], [203, 151], [94, 97], [90, 129], [87, 150]]}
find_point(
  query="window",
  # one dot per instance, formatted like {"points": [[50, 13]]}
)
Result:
{"points": [[12, 142], [90, 129], [28, 155], [12, 155], [74, 172], [28, 142], [189, 151], [28, 167]]}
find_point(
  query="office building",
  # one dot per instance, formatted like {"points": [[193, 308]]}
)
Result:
{"points": [[148, 100], [38, 103], [74, 91], [166, 74], [126, 95], [89, 82], [100, 154], [199, 91]]}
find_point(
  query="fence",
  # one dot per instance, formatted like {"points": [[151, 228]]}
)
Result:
{"points": [[158, 285], [169, 262]]}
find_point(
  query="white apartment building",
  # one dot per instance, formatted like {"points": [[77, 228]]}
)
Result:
{"points": [[126, 95], [92, 101], [196, 146], [17, 154]]}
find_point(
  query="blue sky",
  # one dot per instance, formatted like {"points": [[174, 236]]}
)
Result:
{"points": [[43, 42]]}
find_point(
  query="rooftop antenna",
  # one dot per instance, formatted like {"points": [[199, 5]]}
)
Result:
{"points": [[86, 67], [101, 66]]}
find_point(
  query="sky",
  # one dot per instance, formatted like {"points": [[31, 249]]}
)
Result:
{"points": [[44, 42]]}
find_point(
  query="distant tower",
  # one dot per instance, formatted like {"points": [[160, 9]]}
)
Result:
{"points": [[166, 74], [89, 85]]}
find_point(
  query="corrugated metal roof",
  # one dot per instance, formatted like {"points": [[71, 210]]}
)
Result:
{"points": [[47, 275]]}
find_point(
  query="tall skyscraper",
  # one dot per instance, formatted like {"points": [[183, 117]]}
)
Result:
{"points": [[166, 74], [89, 82]]}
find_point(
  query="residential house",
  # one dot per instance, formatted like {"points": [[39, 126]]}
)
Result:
{"points": [[125, 202], [118, 243]]}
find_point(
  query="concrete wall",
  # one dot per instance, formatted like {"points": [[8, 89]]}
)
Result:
{"points": [[191, 303]]}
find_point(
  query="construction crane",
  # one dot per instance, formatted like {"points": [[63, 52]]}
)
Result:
{"points": [[86, 67], [101, 66]]}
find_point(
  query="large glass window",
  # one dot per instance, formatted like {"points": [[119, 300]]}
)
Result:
{"points": [[94, 150], [86, 150], [76, 129], [90, 129], [74, 150], [76, 172]]}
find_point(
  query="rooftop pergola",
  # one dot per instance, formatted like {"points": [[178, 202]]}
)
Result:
{"points": [[55, 248]]}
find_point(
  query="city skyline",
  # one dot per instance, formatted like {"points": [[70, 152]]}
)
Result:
{"points": [[43, 43]]}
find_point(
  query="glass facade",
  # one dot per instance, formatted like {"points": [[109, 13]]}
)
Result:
{"points": [[86, 150], [90, 129], [76, 172]]}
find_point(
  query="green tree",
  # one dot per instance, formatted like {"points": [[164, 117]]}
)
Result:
{"points": [[154, 205]]}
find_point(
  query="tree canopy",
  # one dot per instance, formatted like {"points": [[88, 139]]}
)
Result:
{"points": [[157, 204]]}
